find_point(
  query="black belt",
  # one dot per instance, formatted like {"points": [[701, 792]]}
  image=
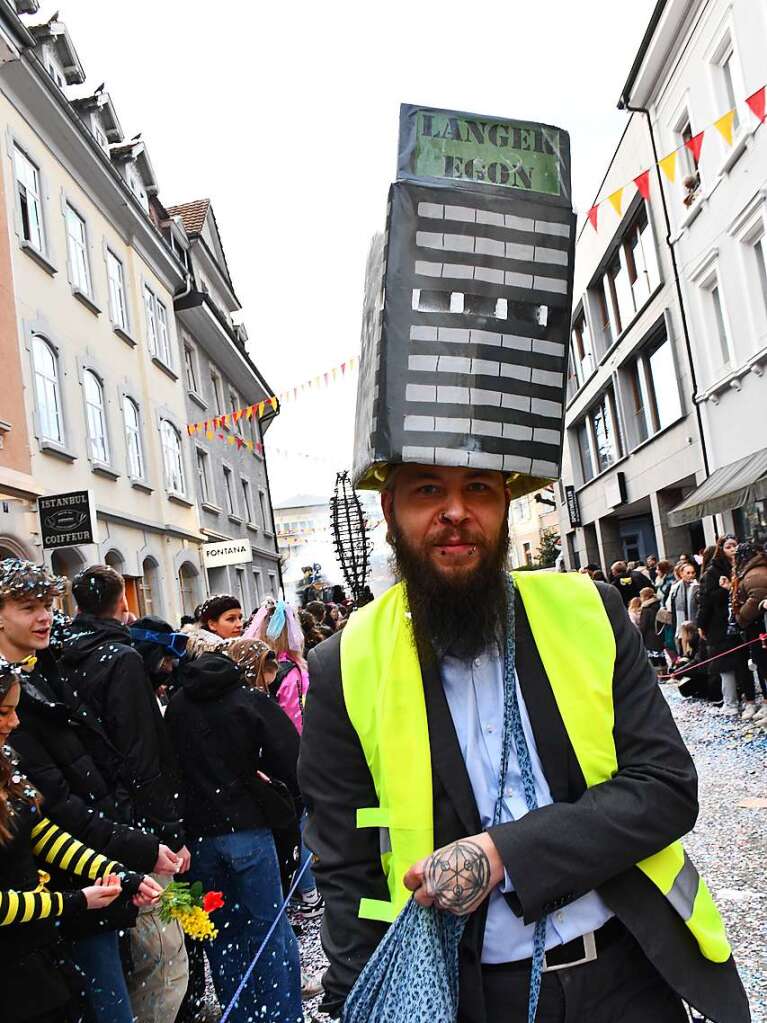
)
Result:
{"points": [[573, 953]]}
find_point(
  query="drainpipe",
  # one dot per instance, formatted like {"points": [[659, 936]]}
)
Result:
{"points": [[623, 105]]}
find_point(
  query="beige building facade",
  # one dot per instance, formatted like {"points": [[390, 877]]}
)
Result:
{"points": [[95, 335]]}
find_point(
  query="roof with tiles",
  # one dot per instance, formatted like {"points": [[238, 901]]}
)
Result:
{"points": [[192, 214]]}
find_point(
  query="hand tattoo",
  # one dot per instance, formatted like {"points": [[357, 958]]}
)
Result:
{"points": [[458, 877]]}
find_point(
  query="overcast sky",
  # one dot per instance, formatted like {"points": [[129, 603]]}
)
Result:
{"points": [[286, 116]]}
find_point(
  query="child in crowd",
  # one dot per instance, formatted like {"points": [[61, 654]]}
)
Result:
{"points": [[635, 609], [37, 983]]}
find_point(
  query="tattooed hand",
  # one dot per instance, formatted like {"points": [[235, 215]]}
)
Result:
{"points": [[459, 877]]}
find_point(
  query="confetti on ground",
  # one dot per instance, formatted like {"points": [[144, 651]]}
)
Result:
{"points": [[729, 843]]}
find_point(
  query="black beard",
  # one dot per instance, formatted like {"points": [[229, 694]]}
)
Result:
{"points": [[462, 616]]}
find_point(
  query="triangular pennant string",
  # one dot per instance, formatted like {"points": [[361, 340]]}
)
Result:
{"points": [[668, 165], [593, 215], [616, 199], [724, 126], [756, 103], [694, 145], [642, 181]]}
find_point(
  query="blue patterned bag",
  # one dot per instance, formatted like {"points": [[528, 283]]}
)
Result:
{"points": [[412, 977]]}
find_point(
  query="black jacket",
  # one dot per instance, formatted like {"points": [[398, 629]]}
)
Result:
{"points": [[587, 839], [630, 585], [109, 676], [223, 733], [66, 755], [714, 613]]}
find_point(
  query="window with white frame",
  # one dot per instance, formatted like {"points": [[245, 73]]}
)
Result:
{"points": [[234, 401], [133, 439], [264, 505], [597, 436], [150, 309], [29, 200], [241, 591], [582, 353], [202, 476], [246, 502], [760, 259], [190, 369], [653, 400], [629, 279], [521, 510], [118, 303], [95, 417], [163, 335], [77, 250], [690, 167], [215, 386], [47, 390], [718, 323], [258, 585], [229, 491], [158, 331], [172, 459], [728, 81], [273, 583]]}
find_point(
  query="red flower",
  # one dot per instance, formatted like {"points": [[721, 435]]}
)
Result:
{"points": [[212, 900]]}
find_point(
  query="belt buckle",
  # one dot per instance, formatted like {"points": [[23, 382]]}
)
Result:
{"points": [[590, 954]]}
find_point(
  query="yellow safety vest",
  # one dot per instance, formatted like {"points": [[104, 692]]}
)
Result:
{"points": [[384, 697]]}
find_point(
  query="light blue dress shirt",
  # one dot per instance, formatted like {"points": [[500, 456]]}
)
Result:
{"points": [[474, 691]]}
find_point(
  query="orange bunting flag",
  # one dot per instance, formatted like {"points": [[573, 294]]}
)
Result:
{"points": [[592, 215], [191, 428], [237, 416], [668, 165], [756, 104], [694, 144], [616, 199], [642, 181], [249, 445], [724, 126]]}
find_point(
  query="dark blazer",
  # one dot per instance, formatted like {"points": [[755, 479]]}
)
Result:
{"points": [[587, 839]]}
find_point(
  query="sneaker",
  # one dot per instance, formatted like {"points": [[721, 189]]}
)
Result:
{"points": [[311, 985], [729, 710], [308, 904], [749, 712]]}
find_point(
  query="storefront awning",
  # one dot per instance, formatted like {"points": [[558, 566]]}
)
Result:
{"points": [[730, 487]]}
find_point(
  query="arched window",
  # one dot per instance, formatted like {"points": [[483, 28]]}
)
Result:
{"points": [[95, 417], [133, 439], [171, 457], [47, 393], [187, 583], [148, 587]]}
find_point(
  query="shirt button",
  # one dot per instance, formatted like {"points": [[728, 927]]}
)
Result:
{"points": [[477, 662], [490, 728], [509, 792], [559, 917]]}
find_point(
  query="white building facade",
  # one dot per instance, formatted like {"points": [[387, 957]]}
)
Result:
{"points": [[699, 61], [632, 441]]}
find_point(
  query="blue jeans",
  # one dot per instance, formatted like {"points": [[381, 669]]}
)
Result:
{"points": [[307, 882], [98, 959], [244, 867]]}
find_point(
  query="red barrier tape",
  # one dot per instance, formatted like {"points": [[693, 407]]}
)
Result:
{"points": [[761, 638]]}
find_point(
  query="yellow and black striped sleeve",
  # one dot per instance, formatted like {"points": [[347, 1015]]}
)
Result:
{"points": [[57, 848], [23, 907]]}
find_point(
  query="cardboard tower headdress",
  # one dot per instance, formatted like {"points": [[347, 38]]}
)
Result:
{"points": [[468, 299]]}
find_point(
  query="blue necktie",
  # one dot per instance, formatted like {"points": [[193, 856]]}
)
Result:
{"points": [[513, 732]]}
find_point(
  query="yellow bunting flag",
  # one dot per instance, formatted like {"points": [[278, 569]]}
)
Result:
{"points": [[260, 409], [273, 403], [230, 439], [724, 126], [209, 434], [668, 165], [616, 199]]}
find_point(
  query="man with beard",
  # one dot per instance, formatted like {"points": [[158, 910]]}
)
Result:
{"points": [[572, 846]]}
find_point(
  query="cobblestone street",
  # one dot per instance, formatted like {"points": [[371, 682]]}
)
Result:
{"points": [[729, 843]]}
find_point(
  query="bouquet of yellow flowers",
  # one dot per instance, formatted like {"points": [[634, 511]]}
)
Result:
{"points": [[192, 907]]}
